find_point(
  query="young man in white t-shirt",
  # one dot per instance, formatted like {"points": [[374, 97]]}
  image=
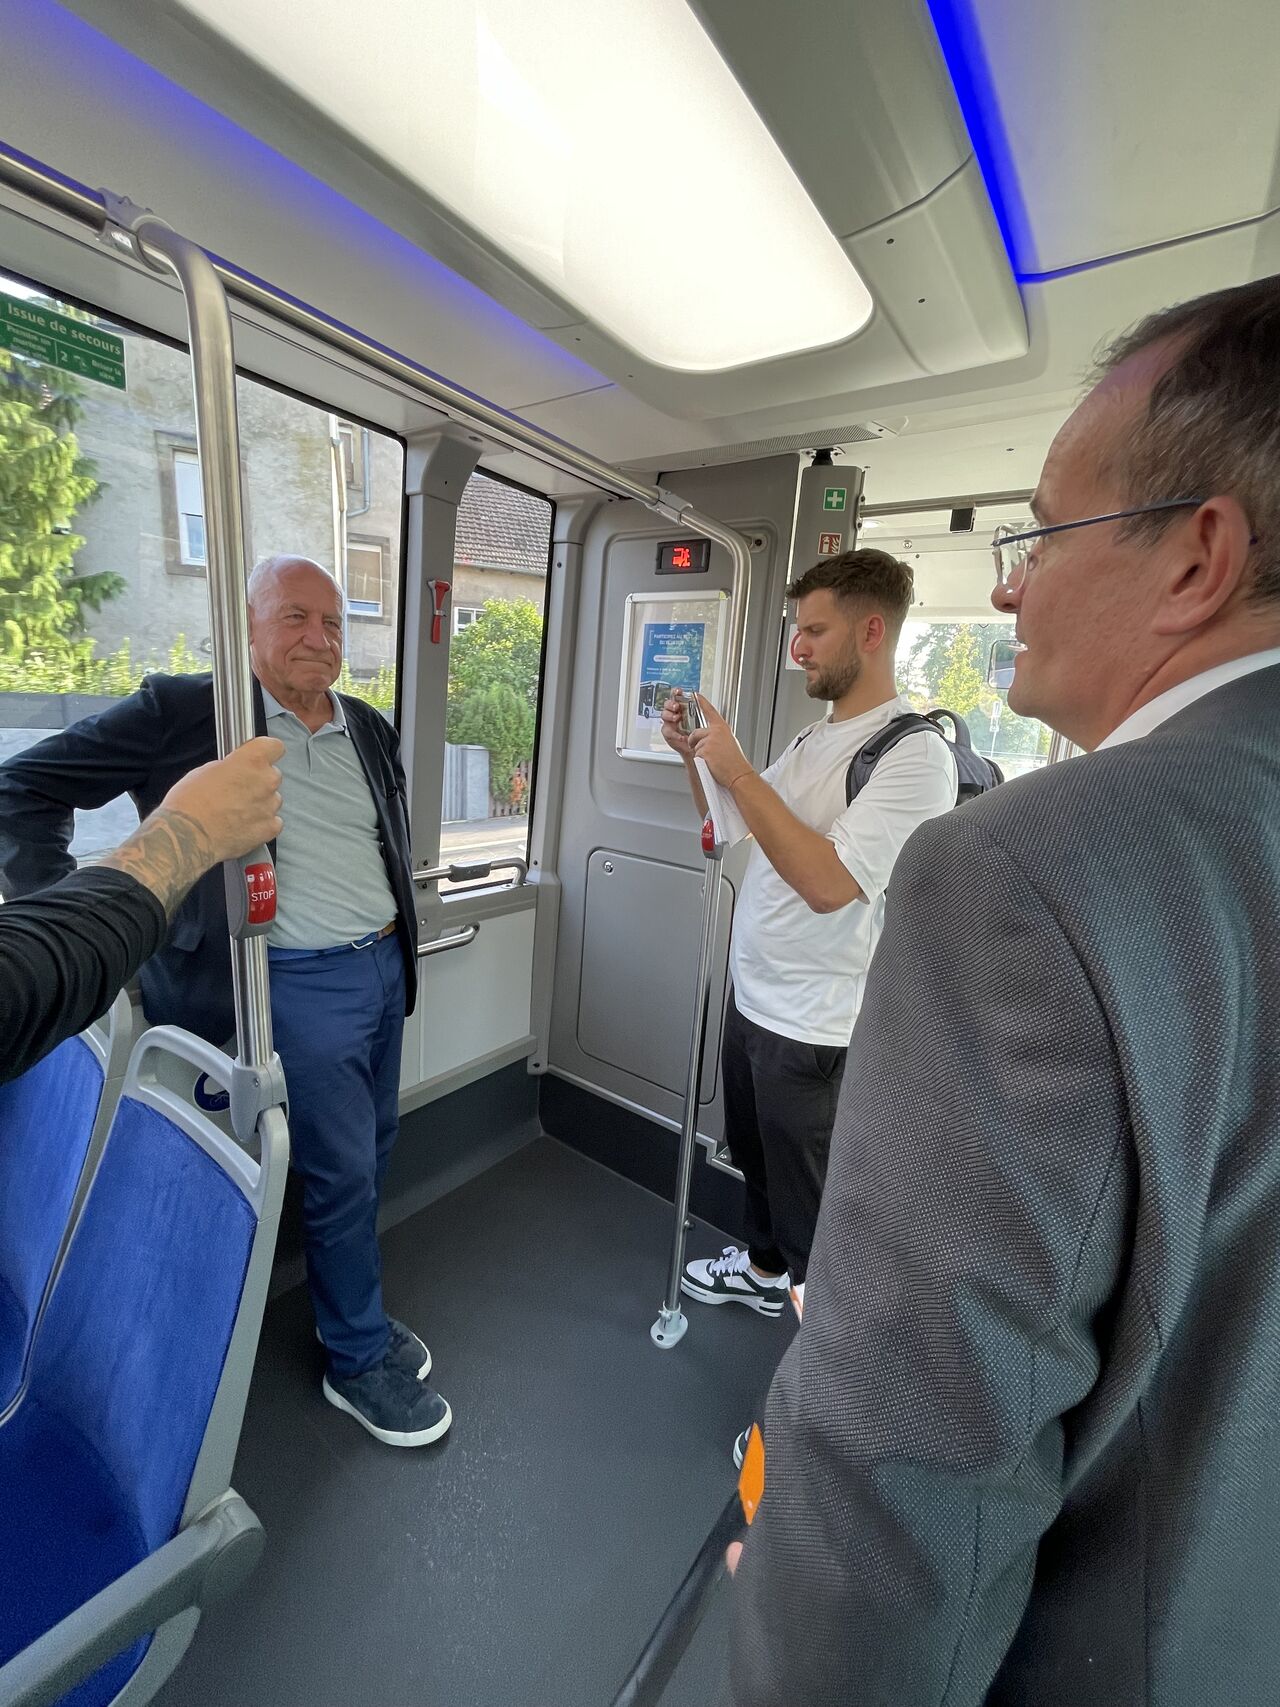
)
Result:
{"points": [[811, 908]]}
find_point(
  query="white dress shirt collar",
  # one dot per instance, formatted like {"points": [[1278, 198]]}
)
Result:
{"points": [[1174, 699]]}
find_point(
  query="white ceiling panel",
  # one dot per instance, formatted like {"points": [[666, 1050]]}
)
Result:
{"points": [[955, 460], [1117, 124], [1130, 126], [961, 307], [74, 100]]}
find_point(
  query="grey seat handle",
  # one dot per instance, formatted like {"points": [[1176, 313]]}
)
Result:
{"points": [[203, 1564]]}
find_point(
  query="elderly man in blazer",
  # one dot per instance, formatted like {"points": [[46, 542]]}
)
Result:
{"points": [[1025, 1450], [342, 952]]}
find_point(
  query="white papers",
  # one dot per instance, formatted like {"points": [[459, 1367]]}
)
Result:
{"points": [[727, 822]]}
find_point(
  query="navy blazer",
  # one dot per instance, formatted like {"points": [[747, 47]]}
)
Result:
{"points": [[141, 747]]}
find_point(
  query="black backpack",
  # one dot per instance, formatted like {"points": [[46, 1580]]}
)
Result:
{"points": [[975, 772]]}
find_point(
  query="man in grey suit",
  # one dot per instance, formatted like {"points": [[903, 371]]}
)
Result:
{"points": [[1025, 1450]]}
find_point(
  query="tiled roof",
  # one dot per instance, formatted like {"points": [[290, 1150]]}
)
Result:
{"points": [[501, 528]]}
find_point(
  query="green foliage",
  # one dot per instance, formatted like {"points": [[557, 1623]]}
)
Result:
{"points": [[947, 665], [493, 688], [44, 480], [962, 686], [72, 668], [498, 718], [503, 644], [378, 690]]}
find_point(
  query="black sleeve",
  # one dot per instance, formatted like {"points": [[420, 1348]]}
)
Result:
{"points": [[64, 955], [95, 761], [973, 1225], [402, 785]]}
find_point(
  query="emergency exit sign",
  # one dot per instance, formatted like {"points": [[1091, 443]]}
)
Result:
{"points": [[834, 497], [59, 341]]}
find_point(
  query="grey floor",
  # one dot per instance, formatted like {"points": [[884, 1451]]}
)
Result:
{"points": [[523, 1561]]}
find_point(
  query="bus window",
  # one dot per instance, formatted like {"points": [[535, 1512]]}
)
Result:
{"points": [[946, 663], [104, 529], [495, 661]]}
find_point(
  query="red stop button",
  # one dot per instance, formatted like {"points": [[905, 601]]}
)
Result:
{"points": [[260, 881]]}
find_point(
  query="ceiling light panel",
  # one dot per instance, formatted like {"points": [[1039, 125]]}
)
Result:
{"points": [[604, 147]]}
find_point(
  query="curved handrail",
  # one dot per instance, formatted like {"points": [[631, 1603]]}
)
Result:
{"points": [[442, 944]]}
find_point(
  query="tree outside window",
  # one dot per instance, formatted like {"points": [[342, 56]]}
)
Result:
{"points": [[945, 664]]}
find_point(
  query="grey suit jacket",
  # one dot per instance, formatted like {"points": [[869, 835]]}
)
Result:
{"points": [[1025, 1449]]}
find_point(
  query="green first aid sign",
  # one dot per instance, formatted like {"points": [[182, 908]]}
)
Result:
{"points": [[61, 342], [834, 497]]}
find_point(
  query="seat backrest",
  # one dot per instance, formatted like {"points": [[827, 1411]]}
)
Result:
{"points": [[142, 1358], [133, 1342], [53, 1121]]}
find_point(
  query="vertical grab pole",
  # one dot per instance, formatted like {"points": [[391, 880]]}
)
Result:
{"points": [[669, 1329], [213, 372]]}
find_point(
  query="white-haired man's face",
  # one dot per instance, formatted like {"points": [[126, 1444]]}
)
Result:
{"points": [[295, 630]]}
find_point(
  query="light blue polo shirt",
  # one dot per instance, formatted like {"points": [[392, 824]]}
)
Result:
{"points": [[330, 877]]}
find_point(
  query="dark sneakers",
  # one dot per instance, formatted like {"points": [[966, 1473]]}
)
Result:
{"points": [[728, 1279], [391, 1403], [405, 1348]]}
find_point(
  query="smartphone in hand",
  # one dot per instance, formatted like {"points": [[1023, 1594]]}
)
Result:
{"points": [[694, 716]]}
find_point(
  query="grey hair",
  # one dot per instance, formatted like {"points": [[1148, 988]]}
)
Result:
{"points": [[1212, 422], [267, 568]]}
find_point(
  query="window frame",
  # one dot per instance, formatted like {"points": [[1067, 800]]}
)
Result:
{"points": [[183, 459], [363, 610], [354, 452], [476, 891]]}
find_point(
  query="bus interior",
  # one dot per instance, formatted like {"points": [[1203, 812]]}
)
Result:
{"points": [[516, 292]]}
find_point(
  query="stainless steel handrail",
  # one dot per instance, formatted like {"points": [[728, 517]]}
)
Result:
{"points": [[459, 940], [29, 177], [213, 372], [91, 207], [934, 506], [473, 871]]}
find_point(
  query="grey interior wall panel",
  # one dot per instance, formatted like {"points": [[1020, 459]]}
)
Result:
{"points": [[622, 1009], [639, 960]]}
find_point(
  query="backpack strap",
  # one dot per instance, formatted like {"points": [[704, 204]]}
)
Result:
{"points": [[960, 736], [866, 758]]}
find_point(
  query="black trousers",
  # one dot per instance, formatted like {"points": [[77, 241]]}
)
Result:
{"points": [[779, 1107]]}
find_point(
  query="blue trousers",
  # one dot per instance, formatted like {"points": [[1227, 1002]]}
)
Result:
{"points": [[338, 1018]]}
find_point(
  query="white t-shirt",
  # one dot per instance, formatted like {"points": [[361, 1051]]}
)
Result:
{"points": [[800, 973]]}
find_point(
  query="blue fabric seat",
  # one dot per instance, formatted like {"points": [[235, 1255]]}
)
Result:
{"points": [[97, 1458], [46, 1122]]}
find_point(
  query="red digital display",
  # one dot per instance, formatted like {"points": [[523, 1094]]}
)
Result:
{"points": [[684, 557]]}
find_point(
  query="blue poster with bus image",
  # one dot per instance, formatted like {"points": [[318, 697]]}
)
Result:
{"points": [[672, 658]]}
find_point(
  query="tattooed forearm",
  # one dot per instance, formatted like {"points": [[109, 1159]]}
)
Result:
{"points": [[168, 853]]}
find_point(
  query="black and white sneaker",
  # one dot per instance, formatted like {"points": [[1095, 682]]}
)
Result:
{"points": [[728, 1279], [740, 1448]]}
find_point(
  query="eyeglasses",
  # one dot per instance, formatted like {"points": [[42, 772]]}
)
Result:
{"points": [[1013, 550]]}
